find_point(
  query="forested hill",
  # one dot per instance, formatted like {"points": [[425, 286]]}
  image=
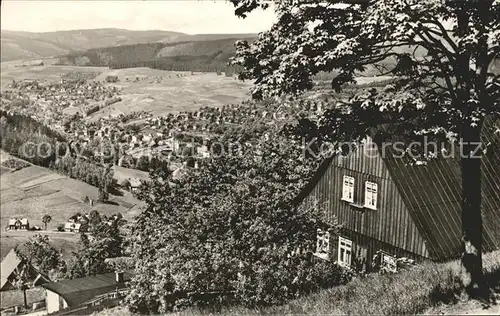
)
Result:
{"points": [[24, 45], [18, 45], [196, 55]]}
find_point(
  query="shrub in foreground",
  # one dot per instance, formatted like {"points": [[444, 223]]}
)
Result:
{"points": [[409, 292], [227, 233]]}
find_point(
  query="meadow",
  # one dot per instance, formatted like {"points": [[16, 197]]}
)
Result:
{"points": [[143, 89], [35, 191]]}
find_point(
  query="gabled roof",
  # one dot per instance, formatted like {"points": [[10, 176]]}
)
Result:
{"points": [[23, 221], [78, 291], [9, 265], [432, 194]]}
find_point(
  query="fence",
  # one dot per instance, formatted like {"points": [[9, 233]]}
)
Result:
{"points": [[100, 302]]}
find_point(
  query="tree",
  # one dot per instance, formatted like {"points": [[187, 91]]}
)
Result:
{"points": [[42, 254], [103, 195], [94, 218], [22, 281], [105, 242], [228, 228], [439, 52], [46, 219]]}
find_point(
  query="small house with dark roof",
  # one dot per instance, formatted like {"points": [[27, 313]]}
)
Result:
{"points": [[67, 294], [391, 207]]}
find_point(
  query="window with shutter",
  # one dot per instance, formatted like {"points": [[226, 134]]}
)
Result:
{"points": [[348, 189], [371, 191]]}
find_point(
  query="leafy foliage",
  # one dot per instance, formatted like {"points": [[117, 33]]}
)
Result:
{"points": [[46, 219], [91, 173], [41, 254], [28, 139], [228, 230], [444, 80], [104, 242]]}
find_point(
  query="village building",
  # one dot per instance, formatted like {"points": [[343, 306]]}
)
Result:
{"points": [[391, 207], [203, 151], [19, 224], [134, 184], [72, 227], [68, 294], [78, 223], [12, 265]]}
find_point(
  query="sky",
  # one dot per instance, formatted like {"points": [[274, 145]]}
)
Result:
{"points": [[186, 16]]}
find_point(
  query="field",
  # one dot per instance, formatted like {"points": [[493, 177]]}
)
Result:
{"points": [[34, 191], [157, 91], [121, 174], [14, 71], [174, 91]]}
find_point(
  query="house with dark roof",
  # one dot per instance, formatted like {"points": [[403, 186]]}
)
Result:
{"points": [[67, 294], [12, 266], [392, 207]]}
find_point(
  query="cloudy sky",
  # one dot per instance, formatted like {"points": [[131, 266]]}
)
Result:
{"points": [[188, 16]]}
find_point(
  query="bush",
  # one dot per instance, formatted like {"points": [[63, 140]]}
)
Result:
{"points": [[112, 101], [60, 227], [233, 236], [111, 78], [281, 280], [414, 291]]}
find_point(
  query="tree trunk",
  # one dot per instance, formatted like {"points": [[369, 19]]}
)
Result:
{"points": [[471, 210], [25, 300]]}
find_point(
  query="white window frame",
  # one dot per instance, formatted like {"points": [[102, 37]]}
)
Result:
{"points": [[345, 248], [371, 195], [348, 183], [322, 244]]}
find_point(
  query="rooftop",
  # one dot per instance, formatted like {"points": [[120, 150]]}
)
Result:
{"points": [[78, 291]]}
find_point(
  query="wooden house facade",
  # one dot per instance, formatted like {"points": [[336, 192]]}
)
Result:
{"points": [[402, 208]]}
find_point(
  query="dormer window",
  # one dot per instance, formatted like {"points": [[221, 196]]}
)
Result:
{"points": [[348, 189], [371, 191]]}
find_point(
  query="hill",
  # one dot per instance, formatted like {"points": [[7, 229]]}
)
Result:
{"points": [[190, 55], [213, 37], [21, 45], [34, 191], [17, 45]]}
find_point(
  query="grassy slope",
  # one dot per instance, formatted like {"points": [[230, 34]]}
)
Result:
{"points": [[176, 92], [432, 288], [34, 191]]}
